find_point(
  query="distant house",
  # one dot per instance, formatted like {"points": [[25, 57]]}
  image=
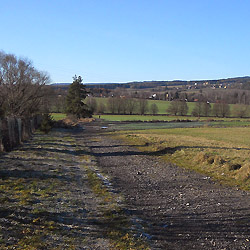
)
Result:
{"points": [[153, 96]]}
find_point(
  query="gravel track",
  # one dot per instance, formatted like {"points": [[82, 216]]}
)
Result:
{"points": [[178, 209], [45, 198]]}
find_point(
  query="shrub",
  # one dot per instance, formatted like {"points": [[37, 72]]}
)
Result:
{"points": [[47, 123]]}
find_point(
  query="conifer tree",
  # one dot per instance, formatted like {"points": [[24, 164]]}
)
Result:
{"points": [[47, 123], [75, 99]]}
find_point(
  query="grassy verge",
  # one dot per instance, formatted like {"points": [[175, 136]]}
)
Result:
{"points": [[222, 153], [32, 188]]}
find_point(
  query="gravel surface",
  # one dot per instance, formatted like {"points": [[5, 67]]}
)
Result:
{"points": [[177, 209]]}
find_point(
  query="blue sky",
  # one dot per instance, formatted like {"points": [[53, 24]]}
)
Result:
{"points": [[129, 40]]}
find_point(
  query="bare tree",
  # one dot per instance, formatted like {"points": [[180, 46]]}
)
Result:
{"points": [[21, 86], [197, 111], [1, 107], [182, 107], [240, 110], [172, 108], [143, 106], [178, 107], [132, 105], [118, 104], [124, 105], [221, 109], [206, 109], [154, 108], [101, 107], [201, 109], [111, 104], [92, 104]]}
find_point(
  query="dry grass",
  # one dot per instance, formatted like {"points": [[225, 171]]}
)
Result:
{"points": [[222, 153]]}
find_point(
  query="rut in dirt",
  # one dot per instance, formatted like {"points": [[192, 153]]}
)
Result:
{"points": [[177, 209]]}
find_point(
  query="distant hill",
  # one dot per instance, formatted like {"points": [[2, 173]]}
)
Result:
{"points": [[153, 84], [60, 84], [236, 81], [68, 83]]}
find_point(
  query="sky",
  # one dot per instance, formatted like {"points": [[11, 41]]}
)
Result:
{"points": [[129, 40]]}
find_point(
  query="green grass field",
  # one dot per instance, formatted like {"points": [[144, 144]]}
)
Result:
{"points": [[215, 121], [58, 116], [221, 153], [138, 117]]}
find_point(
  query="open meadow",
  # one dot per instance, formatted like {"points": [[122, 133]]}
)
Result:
{"points": [[168, 118]]}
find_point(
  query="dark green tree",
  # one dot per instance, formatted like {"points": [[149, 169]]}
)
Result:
{"points": [[75, 99], [47, 123]]}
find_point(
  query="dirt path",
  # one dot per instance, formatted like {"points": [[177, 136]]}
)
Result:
{"points": [[45, 198], [175, 208]]}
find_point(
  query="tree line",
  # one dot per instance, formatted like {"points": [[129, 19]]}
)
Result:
{"points": [[121, 105], [130, 106], [205, 109]]}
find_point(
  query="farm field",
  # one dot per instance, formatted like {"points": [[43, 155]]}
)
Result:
{"points": [[220, 153], [161, 121], [142, 117], [211, 121]]}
